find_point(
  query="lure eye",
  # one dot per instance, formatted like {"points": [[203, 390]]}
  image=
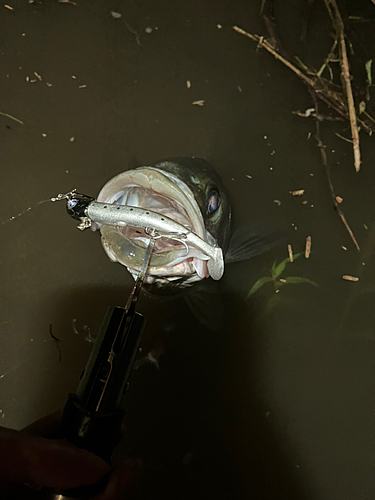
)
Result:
{"points": [[213, 203], [72, 203]]}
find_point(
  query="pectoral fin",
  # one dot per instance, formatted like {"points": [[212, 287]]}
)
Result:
{"points": [[250, 241]]}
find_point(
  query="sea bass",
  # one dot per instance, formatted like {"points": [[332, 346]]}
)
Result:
{"points": [[189, 191]]}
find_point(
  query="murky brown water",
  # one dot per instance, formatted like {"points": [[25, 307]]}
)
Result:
{"points": [[277, 405]]}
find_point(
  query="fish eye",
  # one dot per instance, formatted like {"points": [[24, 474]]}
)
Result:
{"points": [[213, 203]]}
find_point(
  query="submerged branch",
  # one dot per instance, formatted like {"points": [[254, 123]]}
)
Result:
{"points": [[323, 154]]}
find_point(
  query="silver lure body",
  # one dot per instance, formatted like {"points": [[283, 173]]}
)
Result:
{"points": [[115, 215]]}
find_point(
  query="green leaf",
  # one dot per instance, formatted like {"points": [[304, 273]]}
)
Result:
{"points": [[258, 284], [368, 71], [296, 280], [277, 270]]}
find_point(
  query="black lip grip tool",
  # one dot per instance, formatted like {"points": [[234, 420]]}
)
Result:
{"points": [[92, 416]]}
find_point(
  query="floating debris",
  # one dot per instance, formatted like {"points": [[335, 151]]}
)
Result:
{"points": [[49, 84], [56, 340], [219, 26], [304, 202], [44, 135], [38, 76], [201, 102], [8, 7], [115, 15], [27, 78], [347, 277], [188, 84], [366, 227], [67, 1], [278, 202], [74, 77], [344, 248], [11, 117], [339, 199], [239, 88], [298, 192], [308, 247], [290, 252], [82, 86], [249, 176], [72, 139], [306, 114], [148, 29]]}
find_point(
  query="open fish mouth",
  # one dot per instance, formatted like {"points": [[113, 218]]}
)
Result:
{"points": [[161, 192]]}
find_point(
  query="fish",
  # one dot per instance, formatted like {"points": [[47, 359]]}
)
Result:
{"points": [[190, 192]]}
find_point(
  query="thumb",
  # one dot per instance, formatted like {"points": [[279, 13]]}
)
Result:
{"points": [[47, 462]]}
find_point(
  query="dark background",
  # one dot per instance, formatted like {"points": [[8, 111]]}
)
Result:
{"points": [[270, 406]]}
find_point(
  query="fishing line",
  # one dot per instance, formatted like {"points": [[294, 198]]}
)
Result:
{"points": [[53, 199]]}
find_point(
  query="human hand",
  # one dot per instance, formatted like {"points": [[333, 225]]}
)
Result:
{"points": [[32, 457]]}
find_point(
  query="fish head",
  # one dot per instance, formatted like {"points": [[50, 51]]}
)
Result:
{"points": [[187, 190]]}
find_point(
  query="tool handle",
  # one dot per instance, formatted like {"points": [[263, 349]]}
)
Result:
{"points": [[96, 432]]}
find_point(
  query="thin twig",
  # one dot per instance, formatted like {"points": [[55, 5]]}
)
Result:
{"points": [[264, 43], [369, 116], [338, 24], [57, 341], [328, 58], [325, 164], [344, 138]]}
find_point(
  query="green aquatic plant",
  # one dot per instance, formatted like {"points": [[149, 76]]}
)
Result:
{"points": [[11, 117], [275, 277]]}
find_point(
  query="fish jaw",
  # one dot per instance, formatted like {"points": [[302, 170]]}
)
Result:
{"points": [[164, 193]]}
